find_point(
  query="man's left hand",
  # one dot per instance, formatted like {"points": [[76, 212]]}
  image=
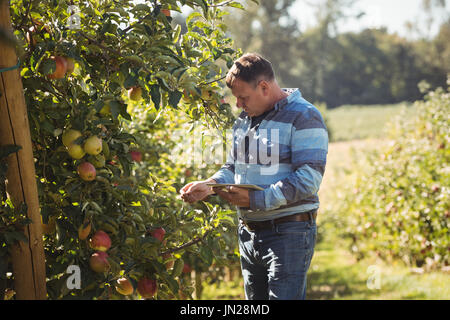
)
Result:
{"points": [[235, 195]]}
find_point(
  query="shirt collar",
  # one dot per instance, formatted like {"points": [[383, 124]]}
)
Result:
{"points": [[294, 93]]}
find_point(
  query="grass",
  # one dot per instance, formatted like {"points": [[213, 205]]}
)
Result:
{"points": [[352, 122], [334, 274]]}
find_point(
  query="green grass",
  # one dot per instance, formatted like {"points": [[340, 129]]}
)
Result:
{"points": [[335, 275], [352, 122]]}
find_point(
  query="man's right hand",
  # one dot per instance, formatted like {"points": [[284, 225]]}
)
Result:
{"points": [[197, 190]]}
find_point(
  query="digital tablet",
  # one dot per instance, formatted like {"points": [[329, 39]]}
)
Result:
{"points": [[247, 186]]}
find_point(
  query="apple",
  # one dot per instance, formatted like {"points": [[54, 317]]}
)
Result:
{"points": [[135, 93], [159, 233], [123, 286], [61, 67], [100, 241], [136, 156], [69, 136], [166, 12], [86, 171], [207, 94], [98, 161], [187, 268], [99, 262], [84, 230], [70, 64], [76, 151], [29, 35], [147, 287], [50, 226], [171, 262], [93, 145], [106, 109]]}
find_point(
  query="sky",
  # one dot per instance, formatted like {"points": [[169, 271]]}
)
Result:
{"points": [[392, 14]]}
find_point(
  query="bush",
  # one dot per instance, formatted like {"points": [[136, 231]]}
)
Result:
{"points": [[399, 205]]}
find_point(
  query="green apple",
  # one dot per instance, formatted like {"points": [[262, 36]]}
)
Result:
{"points": [[93, 145], [69, 136], [98, 161], [75, 151], [135, 93]]}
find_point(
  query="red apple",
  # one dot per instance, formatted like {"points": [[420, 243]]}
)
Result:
{"points": [[147, 287], [188, 173], [171, 262], [86, 171], [100, 241], [136, 156], [166, 12], [61, 67], [99, 262], [159, 233], [187, 268], [84, 230], [123, 286]]}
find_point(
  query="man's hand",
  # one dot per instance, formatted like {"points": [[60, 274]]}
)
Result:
{"points": [[235, 195], [195, 191]]}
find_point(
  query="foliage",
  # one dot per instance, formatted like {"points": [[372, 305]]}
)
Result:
{"points": [[371, 66], [12, 220], [399, 204], [118, 46]]}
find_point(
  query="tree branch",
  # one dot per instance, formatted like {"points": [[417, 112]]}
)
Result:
{"points": [[187, 244]]}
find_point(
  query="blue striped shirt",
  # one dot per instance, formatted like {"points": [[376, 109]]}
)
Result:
{"points": [[286, 156]]}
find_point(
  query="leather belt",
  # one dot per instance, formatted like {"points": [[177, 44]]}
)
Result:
{"points": [[268, 224]]}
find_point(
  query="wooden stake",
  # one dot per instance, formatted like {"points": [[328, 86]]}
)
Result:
{"points": [[27, 258]]}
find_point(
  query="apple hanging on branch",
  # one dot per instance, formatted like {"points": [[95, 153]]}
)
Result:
{"points": [[93, 145], [159, 234], [86, 171], [147, 288], [124, 286], [100, 241], [60, 67], [99, 262]]}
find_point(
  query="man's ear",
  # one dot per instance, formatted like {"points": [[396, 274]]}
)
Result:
{"points": [[264, 85]]}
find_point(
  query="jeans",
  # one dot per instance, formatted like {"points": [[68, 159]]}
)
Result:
{"points": [[275, 260]]}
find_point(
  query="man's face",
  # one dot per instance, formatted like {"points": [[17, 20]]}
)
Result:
{"points": [[252, 100]]}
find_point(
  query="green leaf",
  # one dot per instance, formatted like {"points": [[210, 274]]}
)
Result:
{"points": [[174, 98], [156, 96], [207, 255]]}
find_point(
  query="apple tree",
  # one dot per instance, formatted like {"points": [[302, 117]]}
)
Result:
{"points": [[102, 80]]}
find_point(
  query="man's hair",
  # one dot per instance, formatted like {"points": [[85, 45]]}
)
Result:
{"points": [[251, 68]]}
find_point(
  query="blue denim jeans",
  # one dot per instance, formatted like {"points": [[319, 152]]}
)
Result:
{"points": [[275, 261]]}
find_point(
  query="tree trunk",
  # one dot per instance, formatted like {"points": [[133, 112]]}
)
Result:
{"points": [[27, 258]]}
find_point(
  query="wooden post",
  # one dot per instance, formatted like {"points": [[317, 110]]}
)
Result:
{"points": [[27, 258]]}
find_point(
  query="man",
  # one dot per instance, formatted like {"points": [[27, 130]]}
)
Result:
{"points": [[277, 230]]}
